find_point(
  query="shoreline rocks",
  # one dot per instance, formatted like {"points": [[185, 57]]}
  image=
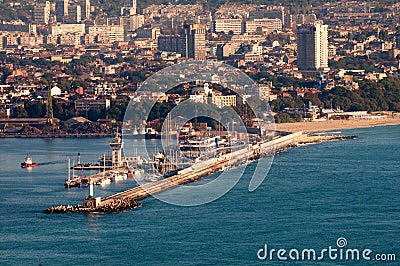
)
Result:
{"points": [[112, 207]]}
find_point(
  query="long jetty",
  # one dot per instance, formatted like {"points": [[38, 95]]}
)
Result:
{"points": [[130, 198]]}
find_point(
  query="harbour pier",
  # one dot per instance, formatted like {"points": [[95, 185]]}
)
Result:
{"points": [[130, 198]]}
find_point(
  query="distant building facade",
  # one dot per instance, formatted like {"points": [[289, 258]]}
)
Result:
{"points": [[229, 25], [312, 47], [85, 9], [74, 13], [263, 25], [193, 42], [148, 33], [41, 12], [59, 29], [105, 34], [62, 10], [169, 43]]}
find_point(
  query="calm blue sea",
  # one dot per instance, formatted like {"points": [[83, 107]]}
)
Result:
{"points": [[312, 196]]}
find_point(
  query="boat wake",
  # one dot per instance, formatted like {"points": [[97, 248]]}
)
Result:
{"points": [[51, 163]]}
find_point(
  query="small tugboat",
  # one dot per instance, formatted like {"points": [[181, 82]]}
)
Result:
{"points": [[28, 162]]}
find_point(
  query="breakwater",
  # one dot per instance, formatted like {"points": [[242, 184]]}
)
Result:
{"points": [[130, 198], [117, 205]]}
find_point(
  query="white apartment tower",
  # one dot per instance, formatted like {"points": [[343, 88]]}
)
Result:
{"points": [[62, 10], [134, 6], [42, 12], [74, 13], [312, 47], [85, 9], [193, 42]]}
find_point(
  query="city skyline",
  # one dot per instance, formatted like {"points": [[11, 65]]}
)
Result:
{"points": [[296, 57]]}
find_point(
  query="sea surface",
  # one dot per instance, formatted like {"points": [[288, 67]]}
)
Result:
{"points": [[312, 196]]}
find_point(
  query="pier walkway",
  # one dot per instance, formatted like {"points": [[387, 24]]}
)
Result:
{"points": [[130, 198]]}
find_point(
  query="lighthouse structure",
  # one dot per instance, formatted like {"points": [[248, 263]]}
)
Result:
{"points": [[91, 201], [116, 151], [91, 189]]}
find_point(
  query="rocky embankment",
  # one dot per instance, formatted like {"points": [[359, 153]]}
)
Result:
{"points": [[320, 138], [114, 206]]}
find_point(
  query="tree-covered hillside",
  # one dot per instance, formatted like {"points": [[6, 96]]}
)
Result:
{"points": [[8, 13]]}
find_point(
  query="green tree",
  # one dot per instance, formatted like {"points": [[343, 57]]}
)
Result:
{"points": [[19, 112], [35, 109], [4, 73], [57, 110]]}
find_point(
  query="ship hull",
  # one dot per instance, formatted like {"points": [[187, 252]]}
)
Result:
{"points": [[27, 165]]}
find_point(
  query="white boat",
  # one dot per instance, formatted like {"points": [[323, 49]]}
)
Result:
{"points": [[152, 177], [138, 172], [103, 182], [118, 176], [195, 147], [135, 131]]}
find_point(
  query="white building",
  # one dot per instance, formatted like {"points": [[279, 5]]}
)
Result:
{"points": [[85, 9], [74, 13], [62, 10], [107, 34], [264, 25], [129, 10], [41, 12], [312, 47], [55, 91], [70, 39], [133, 22], [226, 25], [206, 93], [306, 19], [59, 29]]}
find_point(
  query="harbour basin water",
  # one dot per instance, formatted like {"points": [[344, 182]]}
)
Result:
{"points": [[313, 195]]}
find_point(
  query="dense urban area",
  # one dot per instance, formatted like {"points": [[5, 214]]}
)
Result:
{"points": [[70, 66]]}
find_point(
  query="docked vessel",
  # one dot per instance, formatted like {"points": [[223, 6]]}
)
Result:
{"points": [[195, 147], [28, 162], [84, 183], [73, 181], [103, 182], [151, 133], [118, 176]]}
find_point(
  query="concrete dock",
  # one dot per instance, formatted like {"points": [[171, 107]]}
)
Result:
{"points": [[130, 198]]}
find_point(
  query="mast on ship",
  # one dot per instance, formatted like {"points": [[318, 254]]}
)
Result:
{"points": [[104, 164], [69, 170]]}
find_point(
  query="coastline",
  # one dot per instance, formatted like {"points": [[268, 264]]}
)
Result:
{"points": [[305, 126], [329, 125], [53, 136]]}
